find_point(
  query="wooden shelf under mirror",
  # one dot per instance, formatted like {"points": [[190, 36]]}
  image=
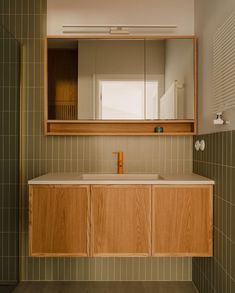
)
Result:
{"points": [[119, 128], [120, 85]]}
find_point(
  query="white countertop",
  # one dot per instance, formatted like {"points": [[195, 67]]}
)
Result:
{"points": [[76, 178]]}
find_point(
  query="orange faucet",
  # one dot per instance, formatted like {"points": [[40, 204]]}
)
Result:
{"points": [[120, 157]]}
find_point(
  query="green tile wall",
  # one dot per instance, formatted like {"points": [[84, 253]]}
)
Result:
{"points": [[217, 162], [9, 157], [173, 155]]}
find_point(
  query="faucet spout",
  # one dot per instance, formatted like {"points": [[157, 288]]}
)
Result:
{"points": [[120, 159]]}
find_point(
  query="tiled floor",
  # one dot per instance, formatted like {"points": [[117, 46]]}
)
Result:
{"points": [[105, 287]]}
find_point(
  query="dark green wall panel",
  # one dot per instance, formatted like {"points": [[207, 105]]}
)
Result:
{"points": [[9, 156], [217, 162]]}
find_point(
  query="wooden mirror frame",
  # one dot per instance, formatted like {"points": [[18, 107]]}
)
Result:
{"points": [[117, 127]]}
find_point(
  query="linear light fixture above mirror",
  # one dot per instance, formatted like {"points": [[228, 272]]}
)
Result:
{"points": [[115, 29]]}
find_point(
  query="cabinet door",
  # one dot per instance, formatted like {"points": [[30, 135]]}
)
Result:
{"points": [[182, 220], [58, 220], [121, 220]]}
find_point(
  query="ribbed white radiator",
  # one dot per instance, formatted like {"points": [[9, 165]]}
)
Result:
{"points": [[224, 66], [172, 102]]}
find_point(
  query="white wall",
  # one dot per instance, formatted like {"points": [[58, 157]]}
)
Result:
{"points": [[100, 59], [209, 15], [179, 66], [108, 12]]}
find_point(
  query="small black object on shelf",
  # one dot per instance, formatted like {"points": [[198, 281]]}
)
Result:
{"points": [[158, 129]]}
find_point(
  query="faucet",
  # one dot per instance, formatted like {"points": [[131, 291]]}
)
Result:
{"points": [[120, 157]]}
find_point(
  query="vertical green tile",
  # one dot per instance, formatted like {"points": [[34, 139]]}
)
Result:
{"points": [[129, 269], [232, 251], [55, 269], [43, 6], [48, 269], [25, 7], [232, 221], [92, 268], [30, 269], [179, 269], [36, 270], [233, 149], [228, 151], [233, 187], [117, 269], [165, 268], [98, 269], [67, 269], [228, 220], [155, 272], [123, 269], [223, 192], [73, 269], [232, 285], [142, 268], [85, 270], [136, 269], [148, 270]]}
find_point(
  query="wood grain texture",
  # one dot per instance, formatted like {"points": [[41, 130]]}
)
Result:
{"points": [[117, 128], [62, 83], [121, 220], [59, 220], [182, 220]]}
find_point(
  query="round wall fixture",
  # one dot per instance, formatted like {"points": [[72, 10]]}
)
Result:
{"points": [[197, 145], [200, 145]]}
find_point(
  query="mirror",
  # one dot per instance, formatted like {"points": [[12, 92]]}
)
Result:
{"points": [[121, 79]]}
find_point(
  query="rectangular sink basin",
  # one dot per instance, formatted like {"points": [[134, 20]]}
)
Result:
{"points": [[121, 177]]}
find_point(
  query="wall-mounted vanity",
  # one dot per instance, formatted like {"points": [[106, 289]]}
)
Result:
{"points": [[122, 85], [120, 215]]}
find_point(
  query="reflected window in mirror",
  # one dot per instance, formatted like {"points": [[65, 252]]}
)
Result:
{"points": [[122, 100]]}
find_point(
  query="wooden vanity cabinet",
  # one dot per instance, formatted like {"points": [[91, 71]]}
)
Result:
{"points": [[182, 220], [121, 220], [59, 220]]}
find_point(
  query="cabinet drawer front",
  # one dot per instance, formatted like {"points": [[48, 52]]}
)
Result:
{"points": [[59, 220], [121, 220], [182, 220]]}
